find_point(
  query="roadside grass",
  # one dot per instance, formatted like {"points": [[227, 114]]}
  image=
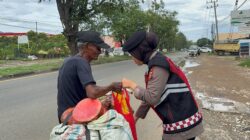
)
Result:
{"points": [[29, 69], [182, 63], [2, 61], [245, 63], [103, 60], [49, 64]]}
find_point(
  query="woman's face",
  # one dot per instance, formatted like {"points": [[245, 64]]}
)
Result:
{"points": [[137, 62]]}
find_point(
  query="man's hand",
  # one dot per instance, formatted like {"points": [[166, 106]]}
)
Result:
{"points": [[107, 102], [116, 87], [136, 119], [128, 84]]}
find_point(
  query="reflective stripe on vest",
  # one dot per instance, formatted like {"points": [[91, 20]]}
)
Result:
{"points": [[183, 124], [172, 88]]}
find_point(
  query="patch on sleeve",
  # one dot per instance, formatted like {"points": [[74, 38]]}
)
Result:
{"points": [[150, 74]]}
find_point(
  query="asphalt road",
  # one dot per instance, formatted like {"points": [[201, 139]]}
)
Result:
{"points": [[28, 104]]}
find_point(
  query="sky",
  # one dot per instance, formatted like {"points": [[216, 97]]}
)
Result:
{"points": [[195, 19]]}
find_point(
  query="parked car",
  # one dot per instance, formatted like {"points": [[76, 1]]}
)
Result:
{"points": [[118, 51], [32, 57], [205, 49], [193, 51]]}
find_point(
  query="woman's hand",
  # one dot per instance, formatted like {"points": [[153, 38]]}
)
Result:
{"points": [[128, 84]]}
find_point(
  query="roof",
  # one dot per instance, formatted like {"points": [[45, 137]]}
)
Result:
{"points": [[11, 34], [228, 36]]}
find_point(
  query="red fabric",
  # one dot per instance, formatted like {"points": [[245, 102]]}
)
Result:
{"points": [[122, 106]]}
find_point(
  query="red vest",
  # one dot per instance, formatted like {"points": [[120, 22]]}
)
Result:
{"points": [[177, 107]]}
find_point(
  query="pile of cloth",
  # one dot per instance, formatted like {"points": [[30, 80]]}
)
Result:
{"points": [[91, 120]]}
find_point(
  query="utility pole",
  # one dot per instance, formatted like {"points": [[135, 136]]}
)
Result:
{"points": [[236, 4], [214, 5], [212, 32], [36, 37], [155, 6]]}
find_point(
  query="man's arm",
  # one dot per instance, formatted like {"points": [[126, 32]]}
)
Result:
{"points": [[94, 91]]}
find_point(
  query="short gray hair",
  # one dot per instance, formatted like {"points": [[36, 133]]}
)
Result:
{"points": [[80, 45]]}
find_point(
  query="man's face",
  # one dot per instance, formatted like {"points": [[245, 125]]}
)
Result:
{"points": [[93, 51]]}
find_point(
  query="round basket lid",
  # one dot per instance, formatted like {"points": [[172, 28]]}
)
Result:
{"points": [[87, 110]]}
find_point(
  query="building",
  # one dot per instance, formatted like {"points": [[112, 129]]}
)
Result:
{"points": [[8, 34], [11, 34], [231, 36], [110, 40]]}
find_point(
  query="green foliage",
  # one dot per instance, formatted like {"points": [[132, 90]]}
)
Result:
{"points": [[180, 41], [164, 24], [245, 63], [190, 42], [204, 41], [49, 64], [124, 24], [159, 20], [111, 59], [119, 17], [9, 48], [30, 68]]}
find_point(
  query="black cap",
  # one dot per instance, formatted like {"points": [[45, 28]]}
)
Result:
{"points": [[134, 40], [91, 37]]}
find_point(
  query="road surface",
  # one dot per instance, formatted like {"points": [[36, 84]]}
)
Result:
{"points": [[28, 109]]}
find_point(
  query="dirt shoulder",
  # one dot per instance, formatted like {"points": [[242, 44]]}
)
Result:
{"points": [[222, 82]]}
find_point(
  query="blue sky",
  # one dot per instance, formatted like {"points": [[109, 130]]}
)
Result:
{"points": [[195, 19]]}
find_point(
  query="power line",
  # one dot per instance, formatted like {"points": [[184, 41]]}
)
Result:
{"points": [[206, 20], [31, 22], [15, 26], [241, 5], [225, 18], [236, 4], [27, 21], [215, 5], [236, 8], [24, 27]]}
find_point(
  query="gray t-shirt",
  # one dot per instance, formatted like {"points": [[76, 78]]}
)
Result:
{"points": [[74, 75]]}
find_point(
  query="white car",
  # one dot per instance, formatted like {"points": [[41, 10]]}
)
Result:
{"points": [[193, 51], [118, 51], [205, 49], [32, 57]]}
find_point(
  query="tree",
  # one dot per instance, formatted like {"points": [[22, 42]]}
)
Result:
{"points": [[204, 41], [180, 41], [127, 22], [74, 13], [189, 43], [163, 23], [9, 48], [160, 21]]}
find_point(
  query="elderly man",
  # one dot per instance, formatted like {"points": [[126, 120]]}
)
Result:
{"points": [[75, 80]]}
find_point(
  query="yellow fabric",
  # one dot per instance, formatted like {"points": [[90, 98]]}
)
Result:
{"points": [[122, 99]]}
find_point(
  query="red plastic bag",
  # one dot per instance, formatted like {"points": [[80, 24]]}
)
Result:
{"points": [[122, 106]]}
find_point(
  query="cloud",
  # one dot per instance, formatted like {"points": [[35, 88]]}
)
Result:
{"points": [[25, 14], [195, 19]]}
